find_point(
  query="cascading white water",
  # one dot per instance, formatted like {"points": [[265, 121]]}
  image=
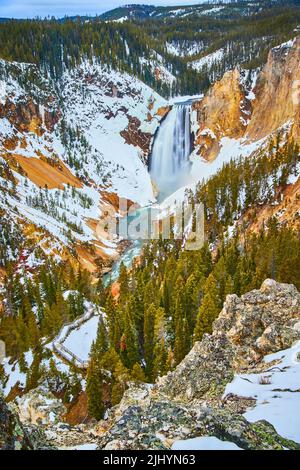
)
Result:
{"points": [[170, 164], [169, 168]]}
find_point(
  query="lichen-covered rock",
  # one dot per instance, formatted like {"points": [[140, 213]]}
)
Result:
{"points": [[65, 436], [149, 425], [40, 407], [260, 322], [159, 424], [250, 436], [12, 434], [204, 371]]}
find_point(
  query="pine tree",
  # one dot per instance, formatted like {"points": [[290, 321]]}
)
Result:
{"points": [[182, 339], [129, 351], [94, 389], [33, 373], [121, 378], [52, 321], [33, 331], [101, 293], [229, 286], [113, 320], [149, 340], [208, 310], [123, 282], [138, 374], [101, 344]]}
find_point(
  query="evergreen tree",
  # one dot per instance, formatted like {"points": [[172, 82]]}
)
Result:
{"points": [[149, 340], [129, 349], [209, 309], [94, 389], [137, 373]]}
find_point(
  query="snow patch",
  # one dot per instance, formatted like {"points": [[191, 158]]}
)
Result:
{"points": [[276, 391], [204, 443]]}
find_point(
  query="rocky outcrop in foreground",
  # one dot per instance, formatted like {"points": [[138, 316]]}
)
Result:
{"points": [[15, 436], [188, 402]]}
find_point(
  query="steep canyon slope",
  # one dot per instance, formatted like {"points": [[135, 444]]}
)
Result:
{"points": [[252, 105], [72, 148]]}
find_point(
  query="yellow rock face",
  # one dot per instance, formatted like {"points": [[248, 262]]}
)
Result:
{"points": [[219, 114], [226, 111], [42, 174], [277, 93]]}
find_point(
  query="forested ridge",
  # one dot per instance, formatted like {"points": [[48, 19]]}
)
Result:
{"points": [[245, 38], [56, 47]]}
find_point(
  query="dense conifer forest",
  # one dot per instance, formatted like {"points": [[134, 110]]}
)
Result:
{"points": [[245, 36]]}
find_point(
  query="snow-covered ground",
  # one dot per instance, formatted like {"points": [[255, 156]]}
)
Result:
{"points": [[81, 447], [184, 48], [97, 106], [80, 340], [208, 60], [14, 374], [230, 149], [277, 392], [204, 443]]}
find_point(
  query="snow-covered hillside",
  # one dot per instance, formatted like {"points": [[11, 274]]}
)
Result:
{"points": [[69, 142]]}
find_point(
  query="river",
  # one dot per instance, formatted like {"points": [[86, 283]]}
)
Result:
{"points": [[169, 170]]}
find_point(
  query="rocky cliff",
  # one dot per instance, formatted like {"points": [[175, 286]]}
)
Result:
{"points": [[252, 105], [220, 114], [277, 99]]}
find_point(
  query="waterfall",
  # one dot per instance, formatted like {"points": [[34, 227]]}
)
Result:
{"points": [[170, 164]]}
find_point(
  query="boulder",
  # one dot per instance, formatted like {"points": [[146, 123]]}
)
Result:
{"points": [[39, 407]]}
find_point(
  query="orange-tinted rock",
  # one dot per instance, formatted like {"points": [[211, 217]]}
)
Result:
{"points": [[220, 114], [277, 93], [44, 175], [161, 112]]}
